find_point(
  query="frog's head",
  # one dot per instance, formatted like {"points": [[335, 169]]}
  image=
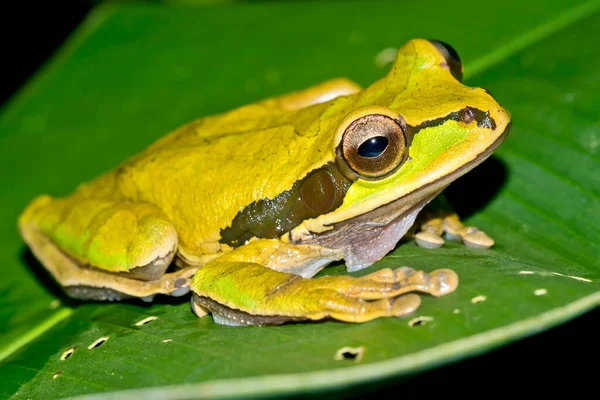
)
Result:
{"points": [[408, 137]]}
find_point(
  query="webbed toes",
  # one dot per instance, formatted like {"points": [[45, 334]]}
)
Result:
{"points": [[442, 282], [387, 283], [389, 275], [405, 305], [471, 236]]}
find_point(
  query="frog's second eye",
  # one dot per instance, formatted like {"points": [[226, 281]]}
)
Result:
{"points": [[373, 146], [452, 58]]}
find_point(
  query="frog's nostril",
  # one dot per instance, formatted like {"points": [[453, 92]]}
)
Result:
{"points": [[467, 115]]}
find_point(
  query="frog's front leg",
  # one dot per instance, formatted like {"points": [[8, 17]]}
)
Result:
{"points": [[442, 220], [241, 288]]}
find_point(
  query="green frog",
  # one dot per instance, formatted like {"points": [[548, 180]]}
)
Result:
{"points": [[244, 208]]}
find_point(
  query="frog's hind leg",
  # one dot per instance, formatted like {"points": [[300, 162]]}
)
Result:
{"points": [[334, 306], [319, 93], [101, 249], [240, 292], [440, 220]]}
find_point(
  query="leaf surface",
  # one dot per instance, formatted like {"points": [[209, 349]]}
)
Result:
{"points": [[132, 73]]}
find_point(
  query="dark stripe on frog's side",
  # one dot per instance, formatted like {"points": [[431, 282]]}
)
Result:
{"points": [[320, 192], [466, 115]]}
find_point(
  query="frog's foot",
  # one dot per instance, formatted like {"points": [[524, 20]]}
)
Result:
{"points": [[430, 236], [391, 283], [471, 236], [250, 294]]}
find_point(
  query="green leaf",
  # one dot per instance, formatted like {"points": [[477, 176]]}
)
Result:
{"points": [[132, 73]]}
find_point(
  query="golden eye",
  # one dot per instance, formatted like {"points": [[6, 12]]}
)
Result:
{"points": [[373, 146]]}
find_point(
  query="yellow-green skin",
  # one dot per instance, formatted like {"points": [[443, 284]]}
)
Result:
{"points": [[174, 198]]}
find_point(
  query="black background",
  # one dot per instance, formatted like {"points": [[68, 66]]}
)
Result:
{"points": [[562, 359]]}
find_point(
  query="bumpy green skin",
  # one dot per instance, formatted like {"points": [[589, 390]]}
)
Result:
{"points": [[180, 194]]}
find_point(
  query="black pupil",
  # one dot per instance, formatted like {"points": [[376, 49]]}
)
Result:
{"points": [[373, 147]]}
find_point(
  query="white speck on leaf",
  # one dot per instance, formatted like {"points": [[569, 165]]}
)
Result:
{"points": [[422, 320], [146, 320], [99, 342], [350, 353], [478, 299], [577, 278]]}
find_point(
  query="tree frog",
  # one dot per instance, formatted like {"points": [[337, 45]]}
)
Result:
{"points": [[245, 207]]}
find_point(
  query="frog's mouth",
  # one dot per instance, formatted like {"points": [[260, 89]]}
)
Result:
{"points": [[367, 238]]}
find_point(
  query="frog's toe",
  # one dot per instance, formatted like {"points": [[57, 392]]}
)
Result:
{"points": [[478, 239], [389, 275], [348, 309], [430, 235], [405, 305], [442, 282], [452, 227], [372, 287], [429, 240], [471, 236]]}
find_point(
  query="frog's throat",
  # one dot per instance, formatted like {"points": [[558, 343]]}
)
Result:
{"points": [[368, 237]]}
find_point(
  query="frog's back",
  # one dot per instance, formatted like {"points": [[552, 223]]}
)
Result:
{"points": [[206, 172]]}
